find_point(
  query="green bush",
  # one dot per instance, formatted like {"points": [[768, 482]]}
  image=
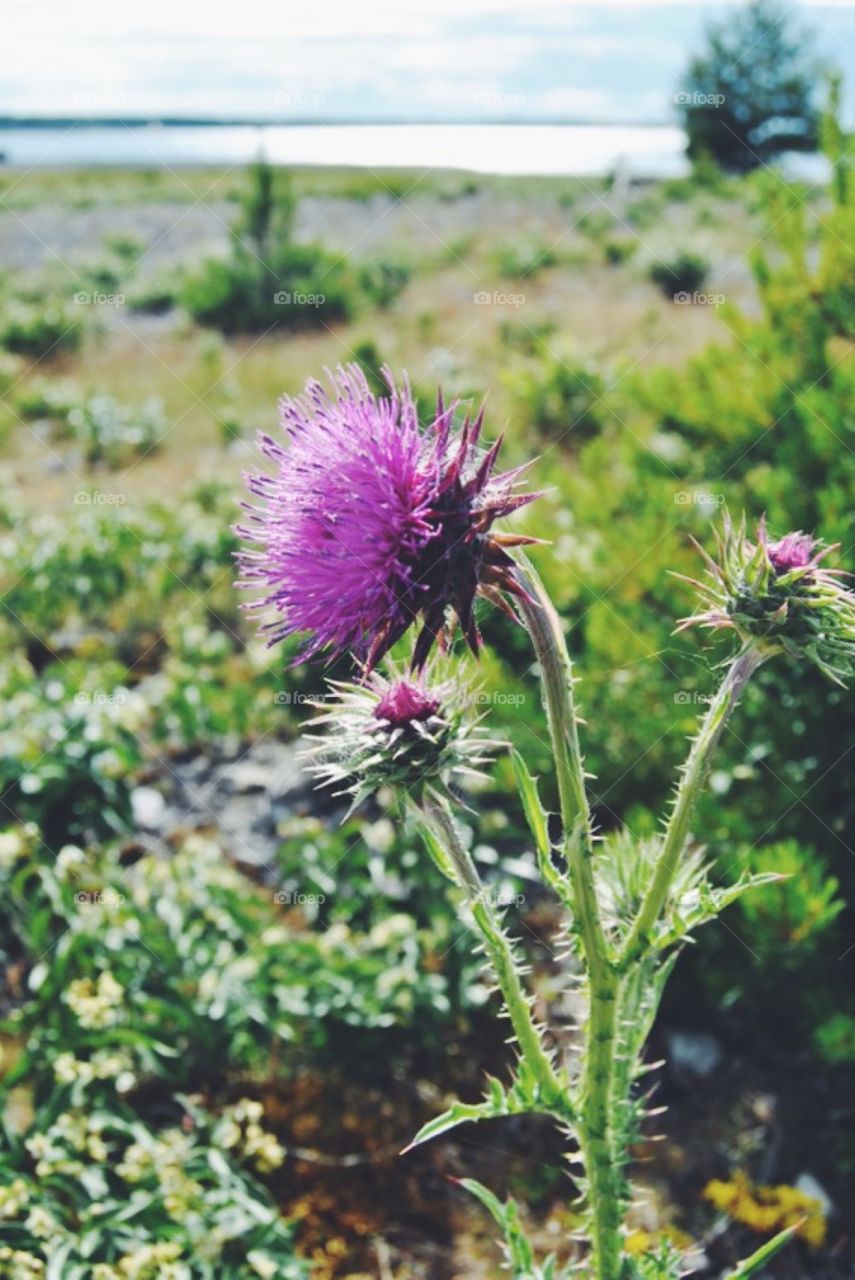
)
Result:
{"points": [[517, 260], [69, 754], [783, 920], [186, 970], [112, 580], [685, 273], [595, 224], [267, 281], [835, 1039], [46, 398], [382, 280], [115, 435], [98, 1192], [39, 331], [297, 287], [617, 252], [157, 294], [563, 401]]}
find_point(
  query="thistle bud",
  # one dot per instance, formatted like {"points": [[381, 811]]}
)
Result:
{"points": [[401, 732], [778, 596]]}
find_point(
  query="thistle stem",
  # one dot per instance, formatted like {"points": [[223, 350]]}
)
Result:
{"points": [[595, 1122], [436, 812], [692, 781]]}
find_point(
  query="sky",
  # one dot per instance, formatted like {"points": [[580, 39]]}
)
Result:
{"points": [[378, 59]]}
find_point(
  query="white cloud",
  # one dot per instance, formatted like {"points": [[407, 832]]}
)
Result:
{"points": [[183, 57]]}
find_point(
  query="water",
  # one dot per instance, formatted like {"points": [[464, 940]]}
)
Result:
{"points": [[645, 150]]}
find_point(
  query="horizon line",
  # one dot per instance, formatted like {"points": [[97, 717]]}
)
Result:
{"points": [[168, 121]]}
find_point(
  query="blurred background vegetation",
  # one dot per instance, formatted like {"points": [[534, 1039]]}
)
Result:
{"points": [[224, 1013]]}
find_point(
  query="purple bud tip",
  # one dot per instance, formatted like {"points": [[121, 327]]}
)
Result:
{"points": [[794, 551], [403, 702]]}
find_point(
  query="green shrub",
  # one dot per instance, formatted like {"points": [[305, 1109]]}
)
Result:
{"points": [[98, 1191], [382, 280], [617, 252], [529, 339], [518, 259], [685, 273], [110, 581], [188, 970], [298, 287], [39, 331], [781, 918], [157, 294], [269, 282], [69, 753], [114, 434], [102, 275], [46, 398], [835, 1039], [645, 210], [128, 248], [562, 401]]}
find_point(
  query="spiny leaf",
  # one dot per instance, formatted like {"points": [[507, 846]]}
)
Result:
{"points": [[524, 1096], [517, 1246], [436, 850], [457, 1113], [532, 805], [764, 1254]]}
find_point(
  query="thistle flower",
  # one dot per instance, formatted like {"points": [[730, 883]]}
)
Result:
{"points": [[398, 731], [371, 523], [778, 594]]}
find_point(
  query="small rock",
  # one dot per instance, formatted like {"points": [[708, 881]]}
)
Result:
{"points": [[694, 1051], [245, 777]]}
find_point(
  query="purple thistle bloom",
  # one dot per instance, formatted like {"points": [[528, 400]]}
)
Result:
{"points": [[370, 523], [779, 596], [794, 551], [404, 702]]}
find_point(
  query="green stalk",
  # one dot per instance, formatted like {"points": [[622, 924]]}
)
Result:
{"points": [[436, 811], [595, 1129], [692, 781]]}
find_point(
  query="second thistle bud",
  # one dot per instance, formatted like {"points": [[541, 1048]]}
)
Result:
{"points": [[778, 595], [400, 732]]}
